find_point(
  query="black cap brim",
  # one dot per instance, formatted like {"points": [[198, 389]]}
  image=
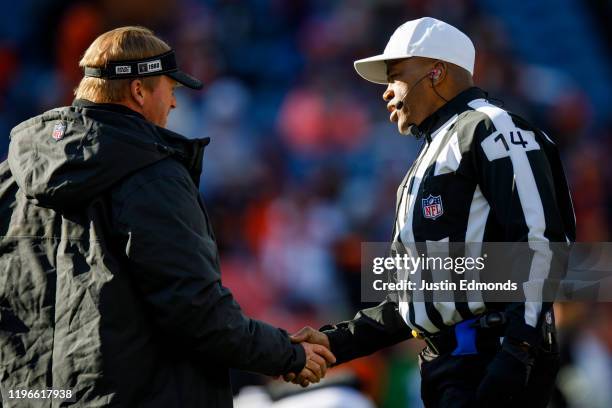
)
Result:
{"points": [[185, 79]]}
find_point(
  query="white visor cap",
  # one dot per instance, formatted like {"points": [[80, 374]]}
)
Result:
{"points": [[425, 37]]}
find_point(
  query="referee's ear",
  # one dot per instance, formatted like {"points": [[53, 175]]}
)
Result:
{"points": [[438, 73]]}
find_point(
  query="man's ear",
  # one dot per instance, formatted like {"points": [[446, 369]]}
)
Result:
{"points": [[137, 92], [439, 72]]}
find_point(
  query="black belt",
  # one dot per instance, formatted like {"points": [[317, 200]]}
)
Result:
{"points": [[489, 328]]}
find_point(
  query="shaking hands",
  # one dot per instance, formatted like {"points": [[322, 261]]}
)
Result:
{"points": [[318, 356]]}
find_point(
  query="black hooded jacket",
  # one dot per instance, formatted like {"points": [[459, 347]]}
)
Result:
{"points": [[110, 283]]}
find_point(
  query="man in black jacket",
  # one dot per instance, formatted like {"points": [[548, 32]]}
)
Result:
{"points": [[483, 175], [110, 287]]}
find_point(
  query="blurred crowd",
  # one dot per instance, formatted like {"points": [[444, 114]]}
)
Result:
{"points": [[303, 163]]}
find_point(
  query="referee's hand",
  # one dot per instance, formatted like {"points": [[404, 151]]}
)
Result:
{"points": [[506, 377]]}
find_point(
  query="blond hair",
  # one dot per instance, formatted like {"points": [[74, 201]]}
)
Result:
{"points": [[124, 43]]}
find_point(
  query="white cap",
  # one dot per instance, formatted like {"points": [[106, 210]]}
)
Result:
{"points": [[425, 37]]}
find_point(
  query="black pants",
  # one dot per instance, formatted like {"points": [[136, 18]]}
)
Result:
{"points": [[452, 381]]}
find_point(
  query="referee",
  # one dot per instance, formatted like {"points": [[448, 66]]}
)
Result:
{"points": [[482, 175]]}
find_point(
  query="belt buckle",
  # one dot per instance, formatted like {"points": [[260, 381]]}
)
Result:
{"points": [[427, 340]]}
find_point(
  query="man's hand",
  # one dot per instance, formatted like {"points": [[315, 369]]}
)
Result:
{"points": [[311, 336], [506, 376], [318, 356]]}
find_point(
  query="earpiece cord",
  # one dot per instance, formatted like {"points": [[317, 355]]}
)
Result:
{"points": [[436, 91]]}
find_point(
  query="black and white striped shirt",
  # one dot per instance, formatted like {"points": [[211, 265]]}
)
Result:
{"points": [[483, 175]]}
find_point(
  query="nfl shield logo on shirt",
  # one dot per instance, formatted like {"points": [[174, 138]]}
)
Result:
{"points": [[432, 207], [58, 130]]}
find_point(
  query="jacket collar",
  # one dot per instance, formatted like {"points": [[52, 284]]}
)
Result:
{"points": [[111, 107], [455, 106], [189, 151]]}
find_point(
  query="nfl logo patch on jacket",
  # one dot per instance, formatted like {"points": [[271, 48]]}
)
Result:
{"points": [[58, 130], [432, 207]]}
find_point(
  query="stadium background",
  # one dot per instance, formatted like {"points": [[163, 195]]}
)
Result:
{"points": [[303, 163]]}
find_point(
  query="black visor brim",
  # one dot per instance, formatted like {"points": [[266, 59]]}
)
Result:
{"points": [[185, 79]]}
